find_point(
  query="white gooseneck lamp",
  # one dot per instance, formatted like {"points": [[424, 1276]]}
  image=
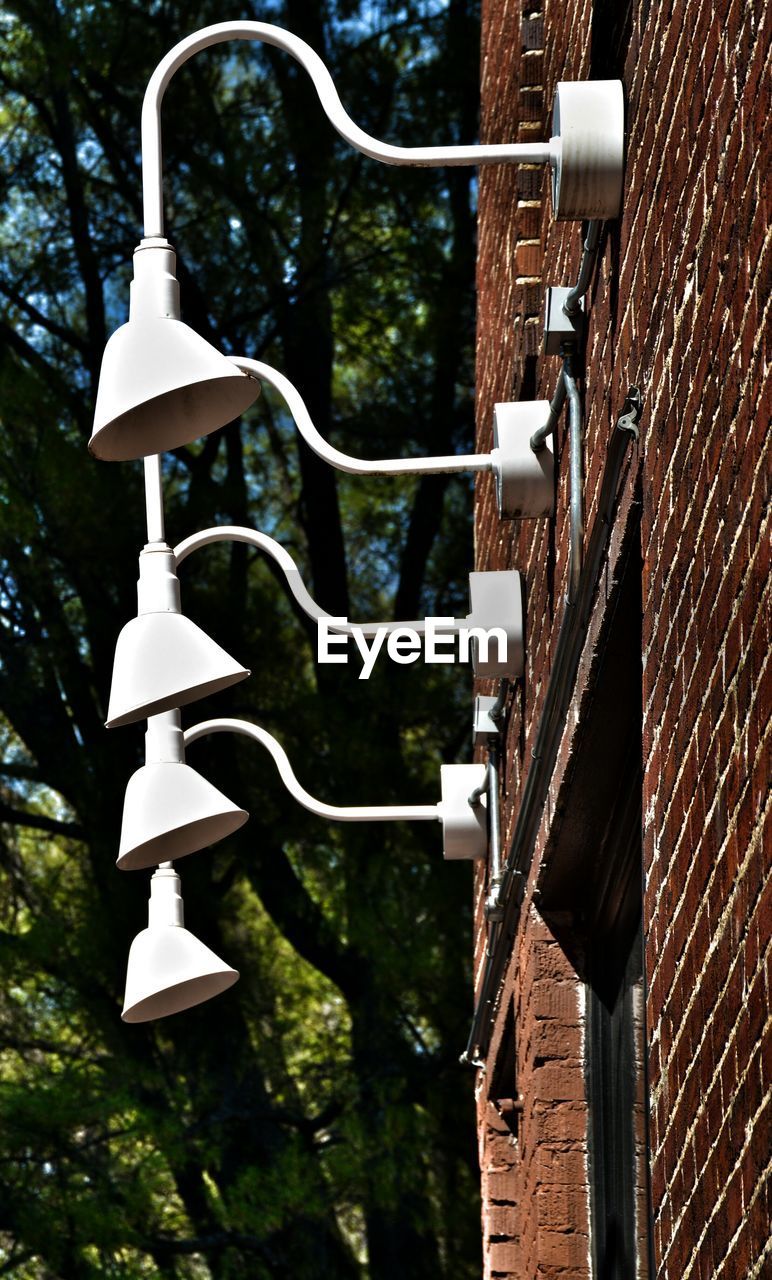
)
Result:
{"points": [[169, 969], [163, 386], [169, 810], [162, 659]]}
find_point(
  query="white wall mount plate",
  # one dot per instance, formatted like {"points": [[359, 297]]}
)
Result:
{"points": [[588, 126]]}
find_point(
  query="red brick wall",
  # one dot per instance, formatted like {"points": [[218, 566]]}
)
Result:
{"points": [[677, 308]]}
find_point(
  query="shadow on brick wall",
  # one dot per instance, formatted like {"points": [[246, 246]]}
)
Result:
{"points": [[612, 25], [610, 36]]}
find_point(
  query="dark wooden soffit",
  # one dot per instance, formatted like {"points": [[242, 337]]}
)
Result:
{"points": [[585, 881]]}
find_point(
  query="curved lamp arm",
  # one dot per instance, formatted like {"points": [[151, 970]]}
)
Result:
{"points": [[152, 178], [344, 461], [274, 549], [347, 813]]}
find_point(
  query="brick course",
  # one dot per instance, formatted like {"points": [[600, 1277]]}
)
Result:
{"points": [[678, 306]]}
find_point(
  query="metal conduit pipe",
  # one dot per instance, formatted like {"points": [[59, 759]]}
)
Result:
{"points": [[539, 438], [573, 300], [567, 388], [493, 908], [557, 699], [497, 710], [576, 506], [476, 795], [571, 306], [490, 787]]}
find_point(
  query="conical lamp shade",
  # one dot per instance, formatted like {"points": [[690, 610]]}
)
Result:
{"points": [[170, 970], [162, 386], [162, 661], [170, 811]]}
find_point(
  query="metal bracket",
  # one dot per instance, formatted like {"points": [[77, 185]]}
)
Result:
{"points": [[631, 413], [562, 328], [494, 907], [510, 1110], [466, 1060], [483, 725]]}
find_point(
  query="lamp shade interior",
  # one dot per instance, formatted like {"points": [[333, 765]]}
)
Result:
{"points": [[180, 996], [163, 661], [170, 970], [171, 811], [162, 386]]}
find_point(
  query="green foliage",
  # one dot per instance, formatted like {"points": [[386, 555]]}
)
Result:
{"points": [[313, 1122]]}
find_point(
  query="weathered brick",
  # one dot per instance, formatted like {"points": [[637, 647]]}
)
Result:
{"points": [[559, 1084], [502, 1257], [677, 307], [563, 1248], [563, 1208], [500, 1220]]}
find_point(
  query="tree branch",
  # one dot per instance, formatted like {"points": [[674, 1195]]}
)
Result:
{"points": [[57, 330], [39, 822]]}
